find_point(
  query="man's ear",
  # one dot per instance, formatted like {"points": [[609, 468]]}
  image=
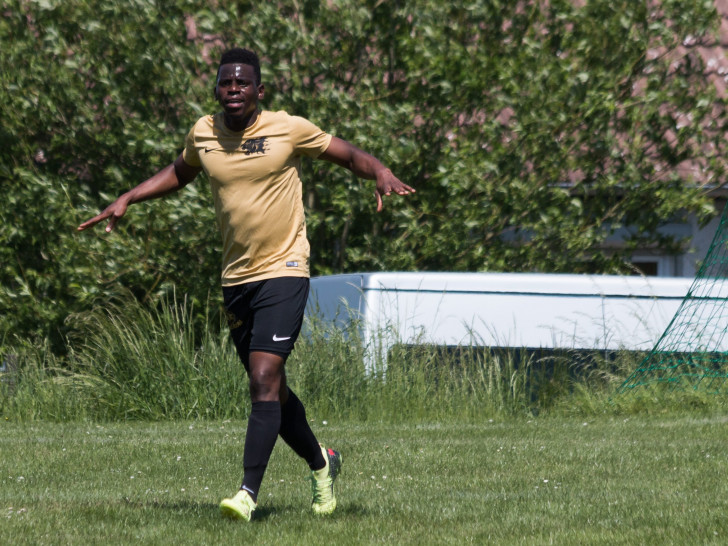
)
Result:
{"points": [[214, 92], [261, 91]]}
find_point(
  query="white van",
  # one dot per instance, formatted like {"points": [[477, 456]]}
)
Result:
{"points": [[508, 310]]}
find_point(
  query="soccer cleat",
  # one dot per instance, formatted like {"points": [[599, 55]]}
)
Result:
{"points": [[322, 482], [241, 506]]}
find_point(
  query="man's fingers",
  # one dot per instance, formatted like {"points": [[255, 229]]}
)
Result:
{"points": [[98, 218], [399, 189], [403, 189], [88, 223], [395, 186]]}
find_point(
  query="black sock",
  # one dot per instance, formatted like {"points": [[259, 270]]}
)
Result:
{"points": [[263, 426], [296, 432]]}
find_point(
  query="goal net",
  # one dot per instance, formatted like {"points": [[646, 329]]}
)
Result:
{"points": [[692, 353]]}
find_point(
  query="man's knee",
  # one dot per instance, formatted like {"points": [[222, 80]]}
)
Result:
{"points": [[266, 377], [263, 383]]}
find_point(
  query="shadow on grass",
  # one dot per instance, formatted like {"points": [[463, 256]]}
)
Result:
{"points": [[342, 511], [177, 506], [261, 514]]}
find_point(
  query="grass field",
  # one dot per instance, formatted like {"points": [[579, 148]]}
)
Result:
{"points": [[135, 434], [606, 480]]}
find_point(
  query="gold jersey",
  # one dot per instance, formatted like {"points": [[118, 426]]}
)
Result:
{"points": [[256, 185]]}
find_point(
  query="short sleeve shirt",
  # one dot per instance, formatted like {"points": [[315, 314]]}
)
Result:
{"points": [[257, 189]]}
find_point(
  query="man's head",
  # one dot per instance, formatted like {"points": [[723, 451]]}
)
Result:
{"points": [[238, 88], [238, 55]]}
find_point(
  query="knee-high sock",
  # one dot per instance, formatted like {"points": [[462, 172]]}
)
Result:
{"points": [[263, 426], [297, 433]]}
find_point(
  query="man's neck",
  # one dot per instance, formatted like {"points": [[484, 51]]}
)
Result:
{"points": [[240, 124]]}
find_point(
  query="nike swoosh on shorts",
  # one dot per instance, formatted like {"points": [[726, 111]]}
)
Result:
{"points": [[276, 338]]}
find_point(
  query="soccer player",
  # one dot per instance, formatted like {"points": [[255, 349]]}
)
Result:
{"points": [[252, 158]]}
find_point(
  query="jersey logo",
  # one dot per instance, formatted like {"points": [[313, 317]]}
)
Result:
{"points": [[232, 320], [276, 338], [255, 146]]}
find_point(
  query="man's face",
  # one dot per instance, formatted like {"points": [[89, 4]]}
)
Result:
{"points": [[238, 90]]}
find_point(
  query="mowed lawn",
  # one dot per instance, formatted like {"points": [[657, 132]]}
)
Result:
{"points": [[637, 480]]}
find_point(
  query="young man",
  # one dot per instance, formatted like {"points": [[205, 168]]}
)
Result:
{"points": [[252, 158]]}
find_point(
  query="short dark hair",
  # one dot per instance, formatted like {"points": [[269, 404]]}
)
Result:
{"points": [[238, 55]]}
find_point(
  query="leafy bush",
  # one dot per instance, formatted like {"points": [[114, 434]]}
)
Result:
{"points": [[533, 131]]}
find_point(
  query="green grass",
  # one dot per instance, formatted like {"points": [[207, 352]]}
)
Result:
{"points": [[135, 434], [637, 480]]}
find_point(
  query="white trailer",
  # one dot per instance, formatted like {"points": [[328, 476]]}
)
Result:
{"points": [[507, 310]]}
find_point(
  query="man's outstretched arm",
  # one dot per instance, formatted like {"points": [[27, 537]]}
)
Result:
{"points": [[366, 166], [170, 179]]}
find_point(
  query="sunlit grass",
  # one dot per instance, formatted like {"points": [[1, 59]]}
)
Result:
{"points": [[641, 480], [136, 435]]}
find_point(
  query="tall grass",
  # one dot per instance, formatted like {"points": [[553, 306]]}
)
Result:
{"points": [[159, 363], [127, 361], [37, 385]]}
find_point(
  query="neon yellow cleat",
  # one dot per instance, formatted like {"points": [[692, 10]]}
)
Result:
{"points": [[322, 483], [241, 506]]}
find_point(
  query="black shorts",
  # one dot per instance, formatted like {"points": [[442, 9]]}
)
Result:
{"points": [[266, 315]]}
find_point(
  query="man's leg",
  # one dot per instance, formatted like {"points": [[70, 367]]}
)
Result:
{"points": [[297, 433], [266, 378], [325, 463], [266, 374], [263, 343]]}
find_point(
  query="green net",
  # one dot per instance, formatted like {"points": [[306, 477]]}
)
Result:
{"points": [[693, 351]]}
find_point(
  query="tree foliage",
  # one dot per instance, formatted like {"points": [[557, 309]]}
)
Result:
{"points": [[533, 131]]}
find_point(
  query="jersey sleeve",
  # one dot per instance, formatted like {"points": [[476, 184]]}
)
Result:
{"points": [[307, 138], [191, 154]]}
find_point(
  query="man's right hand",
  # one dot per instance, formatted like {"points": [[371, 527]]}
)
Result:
{"points": [[114, 211], [168, 180]]}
